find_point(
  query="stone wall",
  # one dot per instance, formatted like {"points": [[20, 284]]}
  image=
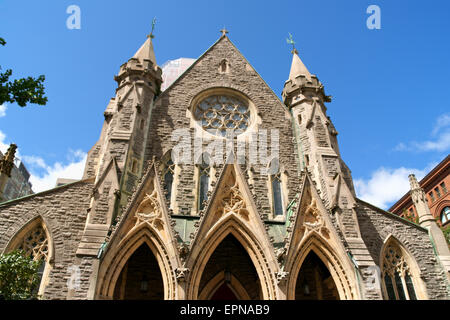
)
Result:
{"points": [[64, 212], [377, 225]]}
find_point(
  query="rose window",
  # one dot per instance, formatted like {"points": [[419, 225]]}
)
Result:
{"points": [[219, 113]]}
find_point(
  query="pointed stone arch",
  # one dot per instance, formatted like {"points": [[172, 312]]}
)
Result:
{"points": [[127, 247], [231, 211], [204, 250], [310, 228], [35, 239], [219, 279], [329, 258], [145, 221], [405, 264]]}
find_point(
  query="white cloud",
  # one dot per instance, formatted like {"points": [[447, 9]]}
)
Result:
{"points": [[49, 173], [439, 143], [387, 185], [442, 143], [3, 110], [442, 122], [3, 145], [42, 175], [35, 161]]}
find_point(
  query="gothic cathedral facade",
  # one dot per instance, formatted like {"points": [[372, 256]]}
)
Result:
{"points": [[217, 189]]}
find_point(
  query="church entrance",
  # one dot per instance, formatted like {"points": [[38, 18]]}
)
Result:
{"points": [[140, 278], [230, 274], [314, 281]]}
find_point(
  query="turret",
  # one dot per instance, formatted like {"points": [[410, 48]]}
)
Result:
{"points": [[6, 165], [318, 151], [116, 161], [316, 135]]}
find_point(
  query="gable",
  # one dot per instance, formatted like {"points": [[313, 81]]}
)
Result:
{"points": [[172, 107]]}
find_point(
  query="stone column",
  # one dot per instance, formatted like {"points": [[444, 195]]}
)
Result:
{"points": [[427, 221]]}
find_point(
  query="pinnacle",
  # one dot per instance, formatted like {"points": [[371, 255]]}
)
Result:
{"points": [[413, 182], [146, 51], [298, 68]]}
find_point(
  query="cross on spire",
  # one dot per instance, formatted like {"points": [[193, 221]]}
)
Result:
{"points": [[224, 31], [151, 36]]}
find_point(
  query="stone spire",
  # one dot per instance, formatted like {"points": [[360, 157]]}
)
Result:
{"points": [[146, 51], [298, 68], [427, 221], [420, 202]]}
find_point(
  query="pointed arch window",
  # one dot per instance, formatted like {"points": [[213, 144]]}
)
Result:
{"points": [[204, 172], [34, 242], [396, 274], [276, 188], [168, 178]]}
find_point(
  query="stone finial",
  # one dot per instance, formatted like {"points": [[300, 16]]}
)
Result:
{"points": [[413, 182], [7, 161]]}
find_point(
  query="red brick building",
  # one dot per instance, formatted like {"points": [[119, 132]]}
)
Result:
{"points": [[436, 185]]}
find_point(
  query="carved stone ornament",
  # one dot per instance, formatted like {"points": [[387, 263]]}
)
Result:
{"points": [[149, 211], [282, 276], [313, 218], [233, 201], [184, 250], [181, 274]]}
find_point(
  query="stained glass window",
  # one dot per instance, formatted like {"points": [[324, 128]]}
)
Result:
{"points": [[277, 193], [410, 287], [389, 287], [168, 172], [398, 283], [35, 245], [396, 273], [204, 172], [218, 113]]}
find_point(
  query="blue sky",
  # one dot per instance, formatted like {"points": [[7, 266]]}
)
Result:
{"points": [[390, 105]]}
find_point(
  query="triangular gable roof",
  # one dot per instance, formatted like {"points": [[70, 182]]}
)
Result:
{"points": [[150, 176], [223, 37], [304, 222], [210, 217]]}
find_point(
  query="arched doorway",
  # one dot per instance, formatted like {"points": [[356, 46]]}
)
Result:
{"points": [[230, 274], [314, 280], [140, 278], [224, 292]]}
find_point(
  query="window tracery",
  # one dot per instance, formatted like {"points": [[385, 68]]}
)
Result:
{"points": [[35, 244], [397, 275], [219, 113]]}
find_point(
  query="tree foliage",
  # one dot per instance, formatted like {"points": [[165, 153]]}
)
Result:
{"points": [[21, 91], [19, 277]]}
